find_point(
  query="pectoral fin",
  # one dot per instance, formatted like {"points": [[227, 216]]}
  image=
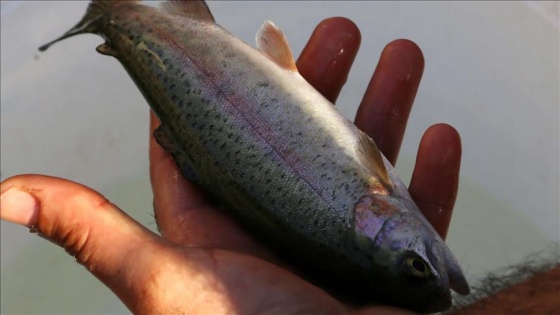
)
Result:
{"points": [[272, 42], [165, 139], [371, 159]]}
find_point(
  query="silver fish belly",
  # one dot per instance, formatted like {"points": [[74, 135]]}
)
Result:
{"points": [[244, 125]]}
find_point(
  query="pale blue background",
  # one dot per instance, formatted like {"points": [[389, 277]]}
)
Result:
{"points": [[492, 71]]}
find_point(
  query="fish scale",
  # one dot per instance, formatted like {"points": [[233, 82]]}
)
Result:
{"points": [[246, 126]]}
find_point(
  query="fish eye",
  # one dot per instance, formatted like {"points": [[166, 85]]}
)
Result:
{"points": [[417, 267]]}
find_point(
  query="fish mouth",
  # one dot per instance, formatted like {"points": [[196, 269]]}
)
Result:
{"points": [[451, 272], [456, 278], [451, 276]]}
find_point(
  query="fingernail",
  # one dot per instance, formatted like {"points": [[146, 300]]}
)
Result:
{"points": [[18, 207]]}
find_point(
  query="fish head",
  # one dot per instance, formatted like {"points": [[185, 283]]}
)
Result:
{"points": [[417, 267]]}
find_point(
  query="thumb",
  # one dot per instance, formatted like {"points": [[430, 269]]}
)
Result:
{"points": [[110, 244]]}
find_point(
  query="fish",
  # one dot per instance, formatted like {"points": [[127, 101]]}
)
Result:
{"points": [[243, 124]]}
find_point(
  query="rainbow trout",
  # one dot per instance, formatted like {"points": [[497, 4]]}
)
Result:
{"points": [[247, 127]]}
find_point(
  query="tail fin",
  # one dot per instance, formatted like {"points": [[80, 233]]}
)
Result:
{"points": [[96, 9]]}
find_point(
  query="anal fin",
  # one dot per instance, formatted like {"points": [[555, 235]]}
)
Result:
{"points": [[106, 49]]}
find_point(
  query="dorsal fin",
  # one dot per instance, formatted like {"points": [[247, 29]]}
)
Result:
{"points": [[272, 42], [195, 9], [371, 158]]}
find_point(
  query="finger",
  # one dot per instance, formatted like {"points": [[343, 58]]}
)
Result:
{"points": [[384, 110], [435, 179], [101, 237], [328, 56], [185, 215]]}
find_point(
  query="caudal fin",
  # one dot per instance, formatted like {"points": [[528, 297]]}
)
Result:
{"points": [[96, 9]]}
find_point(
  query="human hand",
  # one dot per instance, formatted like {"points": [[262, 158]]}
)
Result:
{"points": [[205, 263]]}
